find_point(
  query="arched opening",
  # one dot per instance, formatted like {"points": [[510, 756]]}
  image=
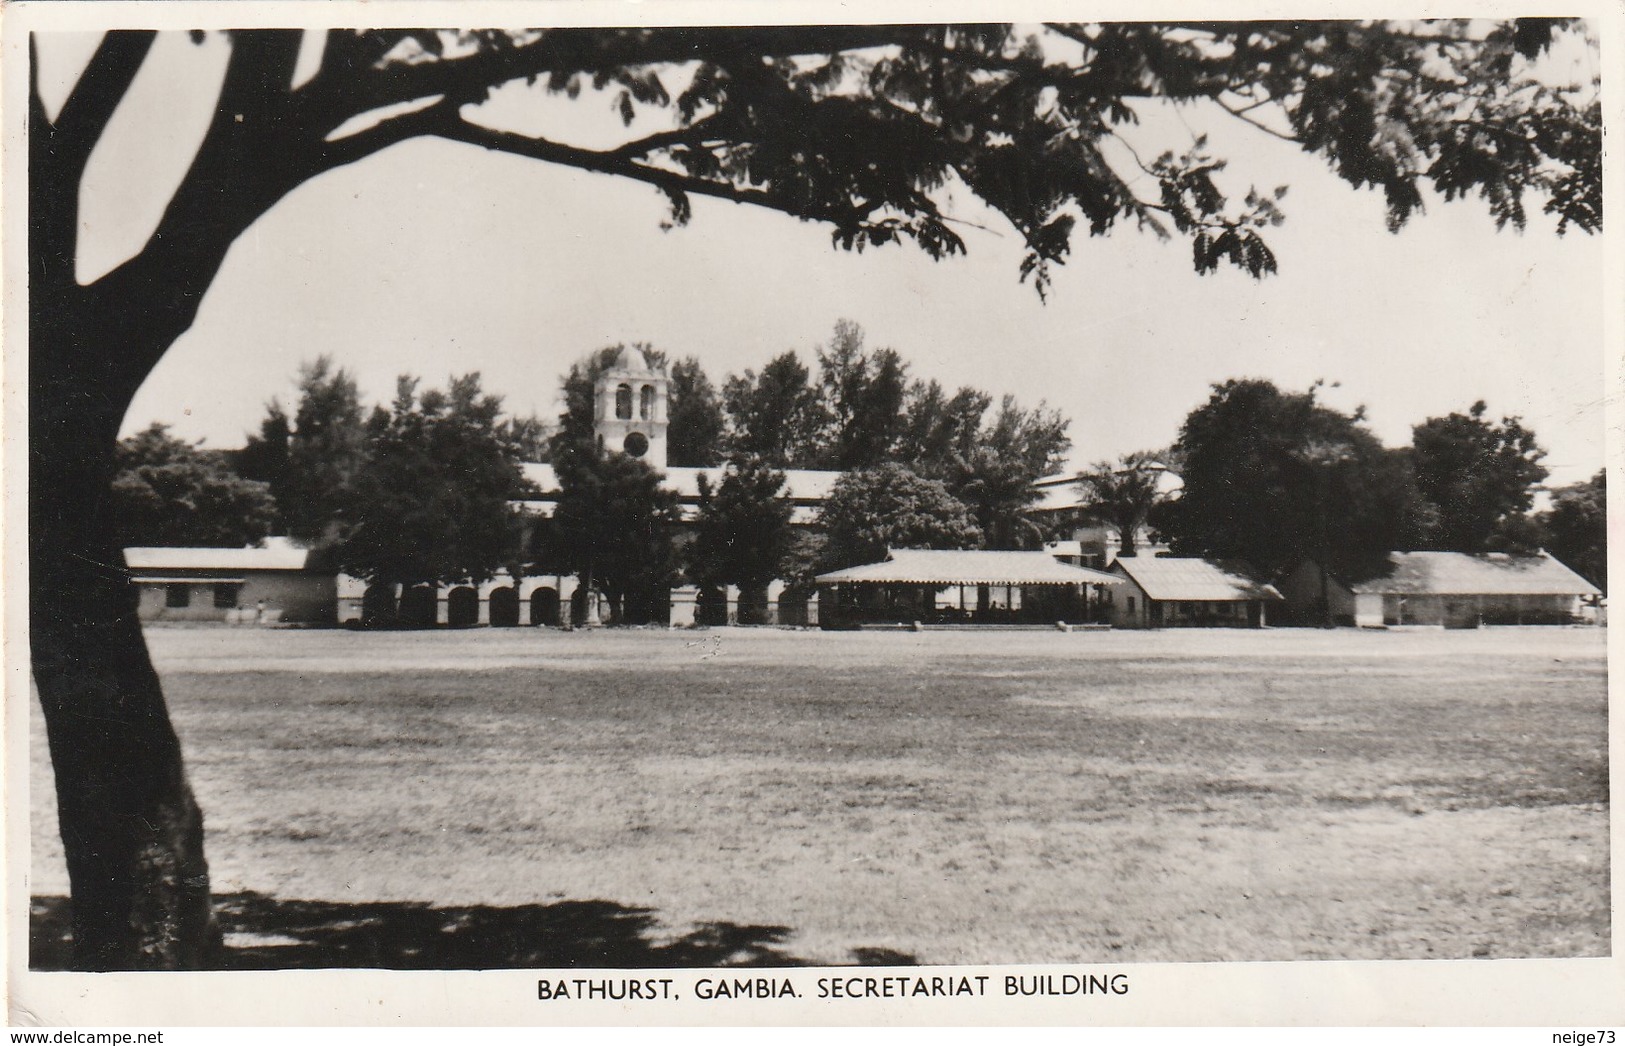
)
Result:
{"points": [[646, 402], [418, 606], [623, 402], [504, 607], [578, 606], [378, 605], [753, 605], [792, 607], [643, 604], [544, 606], [462, 607], [711, 607]]}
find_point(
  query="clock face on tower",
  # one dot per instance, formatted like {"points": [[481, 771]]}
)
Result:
{"points": [[636, 444]]}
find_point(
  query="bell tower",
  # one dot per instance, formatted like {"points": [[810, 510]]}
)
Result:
{"points": [[630, 408]]}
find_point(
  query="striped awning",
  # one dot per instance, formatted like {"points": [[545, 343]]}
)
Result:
{"points": [[919, 566]]}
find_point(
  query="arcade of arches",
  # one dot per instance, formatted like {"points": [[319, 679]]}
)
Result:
{"points": [[499, 604], [546, 601]]}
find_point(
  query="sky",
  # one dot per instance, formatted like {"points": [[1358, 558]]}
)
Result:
{"points": [[434, 259]]}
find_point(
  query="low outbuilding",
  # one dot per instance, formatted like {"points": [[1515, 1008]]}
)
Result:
{"points": [[1181, 592], [1452, 589], [950, 586], [278, 582]]}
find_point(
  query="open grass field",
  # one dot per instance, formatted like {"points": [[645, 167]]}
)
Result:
{"points": [[516, 797]]}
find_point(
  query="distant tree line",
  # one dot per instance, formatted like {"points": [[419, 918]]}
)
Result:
{"points": [[421, 492], [1271, 477], [955, 472]]}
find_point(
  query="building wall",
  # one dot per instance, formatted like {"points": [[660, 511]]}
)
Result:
{"points": [[546, 600], [289, 597], [1211, 613], [1370, 609], [783, 608], [1301, 590], [1127, 605], [1472, 611], [1374, 609], [555, 592]]}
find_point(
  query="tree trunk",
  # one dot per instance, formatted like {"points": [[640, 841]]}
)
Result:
{"points": [[753, 603], [131, 831], [1127, 533]]}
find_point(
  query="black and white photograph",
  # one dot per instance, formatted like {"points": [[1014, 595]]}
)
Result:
{"points": [[757, 516]]}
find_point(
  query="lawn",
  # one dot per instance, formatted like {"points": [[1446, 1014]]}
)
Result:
{"points": [[516, 797]]}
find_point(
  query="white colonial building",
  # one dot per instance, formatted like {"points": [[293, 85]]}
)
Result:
{"points": [[630, 415]]}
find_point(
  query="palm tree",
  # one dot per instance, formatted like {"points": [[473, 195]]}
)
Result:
{"points": [[1122, 495]]}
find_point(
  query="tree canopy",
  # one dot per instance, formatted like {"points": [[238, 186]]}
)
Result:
{"points": [[1575, 528], [861, 126], [888, 506], [775, 416], [742, 535], [862, 400], [430, 503], [995, 480], [694, 415], [613, 526], [171, 492], [941, 431], [312, 464], [1123, 493], [1272, 477], [1479, 477], [862, 412]]}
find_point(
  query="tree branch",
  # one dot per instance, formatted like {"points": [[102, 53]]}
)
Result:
{"points": [[260, 72], [101, 87], [608, 162], [53, 205], [1241, 114], [593, 160], [429, 120], [252, 155], [693, 134], [568, 51]]}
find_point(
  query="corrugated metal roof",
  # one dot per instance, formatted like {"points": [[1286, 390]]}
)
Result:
{"points": [[1193, 580], [278, 557], [1490, 574], [921, 566]]}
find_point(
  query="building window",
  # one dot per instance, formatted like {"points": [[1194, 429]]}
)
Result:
{"points": [[623, 402], [646, 402], [178, 597], [1131, 604], [225, 595], [636, 444]]}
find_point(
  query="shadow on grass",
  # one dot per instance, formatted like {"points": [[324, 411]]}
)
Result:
{"points": [[265, 933]]}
